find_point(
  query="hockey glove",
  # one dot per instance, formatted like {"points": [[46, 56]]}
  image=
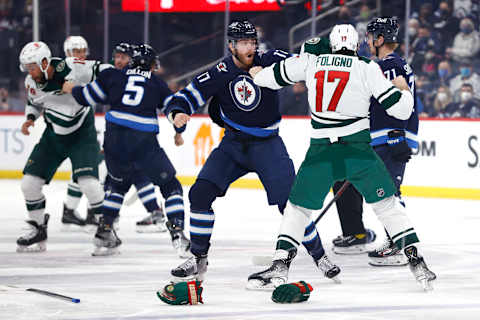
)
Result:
{"points": [[292, 292], [182, 293], [399, 148]]}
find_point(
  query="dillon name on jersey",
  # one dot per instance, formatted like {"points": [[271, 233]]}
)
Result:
{"points": [[61, 112], [380, 122], [244, 106], [134, 96]]}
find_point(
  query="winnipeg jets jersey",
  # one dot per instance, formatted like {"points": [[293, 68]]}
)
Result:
{"points": [[61, 111], [244, 105], [339, 91], [134, 96], [381, 123]]}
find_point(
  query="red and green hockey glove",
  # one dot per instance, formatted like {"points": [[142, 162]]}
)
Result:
{"points": [[292, 292], [182, 293]]}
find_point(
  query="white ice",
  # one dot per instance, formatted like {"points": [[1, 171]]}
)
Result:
{"points": [[124, 286]]}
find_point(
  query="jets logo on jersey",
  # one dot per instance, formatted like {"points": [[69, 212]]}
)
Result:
{"points": [[245, 94]]}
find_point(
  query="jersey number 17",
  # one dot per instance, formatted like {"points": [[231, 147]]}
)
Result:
{"points": [[332, 75]]}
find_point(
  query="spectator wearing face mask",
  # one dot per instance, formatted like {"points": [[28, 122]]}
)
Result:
{"points": [[437, 109], [445, 23], [429, 67], [413, 26], [424, 42], [444, 72], [466, 44], [425, 15], [467, 105], [467, 75]]}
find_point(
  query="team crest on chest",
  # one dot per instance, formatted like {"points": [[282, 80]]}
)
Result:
{"points": [[245, 94]]}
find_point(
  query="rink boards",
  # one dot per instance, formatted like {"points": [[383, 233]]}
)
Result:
{"points": [[446, 165]]}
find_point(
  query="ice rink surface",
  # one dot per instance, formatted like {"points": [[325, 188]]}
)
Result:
{"points": [[124, 286]]}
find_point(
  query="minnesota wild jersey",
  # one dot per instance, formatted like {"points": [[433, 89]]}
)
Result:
{"points": [[61, 111], [339, 89]]}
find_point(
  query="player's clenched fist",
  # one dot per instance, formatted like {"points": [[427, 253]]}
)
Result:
{"points": [[181, 119], [27, 124], [68, 86], [254, 70]]}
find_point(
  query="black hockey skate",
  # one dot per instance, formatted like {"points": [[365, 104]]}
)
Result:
{"points": [[35, 240], [353, 244], [328, 268], [154, 222], [387, 255], [274, 276], [419, 268], [106, 240], [70, 220], [193, 268], [91, 222], [179, 242]]}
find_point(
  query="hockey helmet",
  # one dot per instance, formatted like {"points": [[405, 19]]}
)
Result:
{"points": [[124, 48], [143, 57], [74, 42], [384, 26], [35, 52], [343, 36], [241, 30]]}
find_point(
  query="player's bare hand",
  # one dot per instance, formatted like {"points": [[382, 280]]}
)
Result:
{"points": [[68, 86], [254, 70], [400, 83], [27, 124], [181, 119], [178, 139]]}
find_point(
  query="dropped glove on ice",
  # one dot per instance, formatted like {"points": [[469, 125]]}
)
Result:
{"points": [[182, 293], [292, 292]]}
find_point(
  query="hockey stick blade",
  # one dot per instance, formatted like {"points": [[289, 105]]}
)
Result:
{"points": [[54, 295]]}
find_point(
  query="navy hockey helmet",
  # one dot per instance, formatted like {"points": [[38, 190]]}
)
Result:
{"points": [[143, 57], [384, 26], [241, 30], [123, 47]]}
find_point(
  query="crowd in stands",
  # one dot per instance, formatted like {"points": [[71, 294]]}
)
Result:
{"points": [[444, 45]]}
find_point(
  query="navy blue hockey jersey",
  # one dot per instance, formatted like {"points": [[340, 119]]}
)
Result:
{"points": [[243, 105], [380, 122], [134, 96]]}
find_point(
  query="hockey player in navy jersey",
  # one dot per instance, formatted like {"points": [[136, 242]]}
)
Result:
{"points": [[134, 95], [392, 139], [251, 118]]}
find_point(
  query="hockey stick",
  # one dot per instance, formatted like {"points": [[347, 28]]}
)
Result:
{"points": [[38, 291], [266, 261]]}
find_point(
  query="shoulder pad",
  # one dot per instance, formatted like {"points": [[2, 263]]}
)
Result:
{"points": [[316, 46], [366, 60], [221, 67]]}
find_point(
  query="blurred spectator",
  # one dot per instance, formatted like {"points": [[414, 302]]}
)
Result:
{"points": [[425, 89], [467, 75], [345, 16], [446, 25], [429, 67], [263, 44], [466, 44], [294, 100], [442, 99], [423, 42], [467, 104], [361, 27], [425, 16], [10, 104], [413, 26], [444, 72]]}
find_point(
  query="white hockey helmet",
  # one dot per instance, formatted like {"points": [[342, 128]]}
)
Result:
{"points": [[343, 36], [35, 52], [74, 42]]}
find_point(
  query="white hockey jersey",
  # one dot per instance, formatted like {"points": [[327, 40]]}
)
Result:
{"points": [[61, 110], [339, 91]]}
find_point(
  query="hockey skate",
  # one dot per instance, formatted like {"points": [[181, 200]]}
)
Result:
{"points": [[387, 255], [192, 269], [35, 240], [274, 276], [154, 222], [91, 222], [419, 268], [354, 244], [329, 269], [179, 242], [106, 240], [71, 221]]}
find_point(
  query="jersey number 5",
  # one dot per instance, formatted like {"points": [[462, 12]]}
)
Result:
{"points": [[332, 75], [133, 92]]}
